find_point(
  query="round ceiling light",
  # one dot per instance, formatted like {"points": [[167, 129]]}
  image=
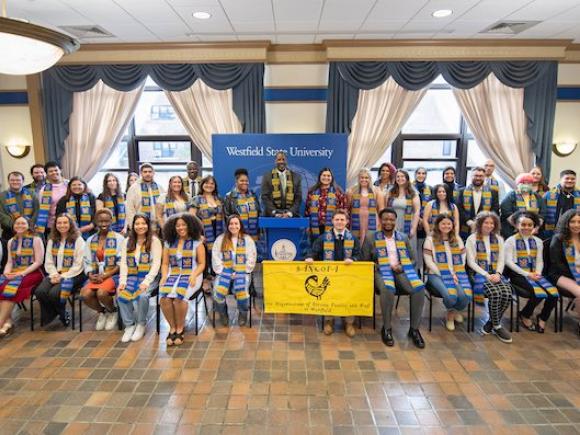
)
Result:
{"points": [[442, 13], [202, 15]]}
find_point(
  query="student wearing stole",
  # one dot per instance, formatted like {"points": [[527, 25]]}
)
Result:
{"points": [[243, 202], [143, 195], [141, 256], [181, 271], [560, 199], [365, 200], [16, 201], [564, 268], [113, 198], [233, 258], [174, 202], [523, 198], [474, 199], [491, 181], [486, 260], [525, 262], [407, 203], [22, 272], [395, 273], [102, 258], [38, 178], [52, 191], [449, 176], [444, 257], [337, 244], [440, 204], [80, 204], [64, 264], [281, 191]]}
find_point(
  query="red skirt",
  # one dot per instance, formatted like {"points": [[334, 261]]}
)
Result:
{"points": [[29, 282]]}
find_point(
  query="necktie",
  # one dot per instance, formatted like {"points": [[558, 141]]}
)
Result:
{"points": [[340, 237]]}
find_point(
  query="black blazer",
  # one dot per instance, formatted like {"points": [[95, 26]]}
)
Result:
{"points": [[61, 207], [465, 216], [557, 260], [316, 252], [268, 202]]}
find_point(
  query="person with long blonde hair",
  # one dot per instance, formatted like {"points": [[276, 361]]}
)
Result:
{"points": [[365, 200]]}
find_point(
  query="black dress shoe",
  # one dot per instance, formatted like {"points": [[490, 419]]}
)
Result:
{"points": [[417, 339], [387, 337]]}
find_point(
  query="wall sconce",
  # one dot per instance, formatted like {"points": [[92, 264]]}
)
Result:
{"points": [[564, 149], [18, 151]]}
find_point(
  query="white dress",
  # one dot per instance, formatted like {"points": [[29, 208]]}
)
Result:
{"points": [[190, 290]]}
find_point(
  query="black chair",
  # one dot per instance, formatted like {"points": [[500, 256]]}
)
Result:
{"points": [[253, 294], [197, 296], [560, 306], [518, 293], [71, 300], [432, 293]]}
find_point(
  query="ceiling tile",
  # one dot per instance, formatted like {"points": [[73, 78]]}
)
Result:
{"points": [[322, 36], [149, 10], [248, 10], [254, 26], [491, 10], [217, 37], [294, 39], [256, 37], [218, 23], [457, 6], [374, 36], [542, 9], [382, 26], [344, 15], [389, 10]]}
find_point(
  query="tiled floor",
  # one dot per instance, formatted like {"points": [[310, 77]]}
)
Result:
{"points": [[285, 376]]}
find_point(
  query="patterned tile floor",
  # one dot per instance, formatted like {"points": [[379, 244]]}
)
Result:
{"points": [[285, 376]]}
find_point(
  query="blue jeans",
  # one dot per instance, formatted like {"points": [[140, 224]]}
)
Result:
{"points": [[452, 302], [135, 312]]}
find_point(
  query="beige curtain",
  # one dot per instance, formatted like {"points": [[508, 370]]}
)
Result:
{"points": [[380, 115], [98, 121], [495, 114], [205, 111]]}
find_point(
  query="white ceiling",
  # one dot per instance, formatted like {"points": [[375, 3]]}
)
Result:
{"points": [[300, 21]]}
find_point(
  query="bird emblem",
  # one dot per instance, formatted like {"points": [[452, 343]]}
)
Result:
{"points": [[313, 288]]}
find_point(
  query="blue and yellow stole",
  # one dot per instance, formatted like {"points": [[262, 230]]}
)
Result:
{"points": [[408, 212], [440, 257], [205, 214], [425, 193], [181, 269], [551, 199], [148, 197], [469, 207], [119, 215], [135, 275], [355, 213], [44, 209], [20, 262], [528, 263], [12, 208], [235, 263], [570, 253], [328, 245], [277, 189], [68, 259], [435, 212], [534, 207], [331, 205], [110, 260], [247, 208], [493, 184], [85, 207], [489, 266], [404, 258]]}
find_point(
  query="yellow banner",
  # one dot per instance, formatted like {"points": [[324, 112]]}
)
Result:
{"points": [[326, 288]]}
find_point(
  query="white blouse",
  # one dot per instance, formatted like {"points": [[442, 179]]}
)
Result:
{"points": [[511, 255], [429, 260], [251, 253], [78, 259], [471, 249], [156, 256]]}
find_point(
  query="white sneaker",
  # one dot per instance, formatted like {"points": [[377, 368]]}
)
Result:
{"points": [[458, 317], [129, 330], [138, 333], [111, 322], [101, 320]]}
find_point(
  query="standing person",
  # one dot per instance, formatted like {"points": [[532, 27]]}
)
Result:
{"points": [[141, 255], [22, 272], [132, 177], [491, 181], [16, 201], [243, 202], [234, 257], [385, 177], [395, 273], [440, 204], [449, 177], [281, 190], [523, 198], [52, 191], [102, 258], [80, 204], [525, 262], [486, 260], [38, 178], [560, 199], [539, 185], [192, 182], [564, 270], [113, 198], [64, 264], [365, 200], [181, 271], [336, 244], [407, 203], [444, 256], [473, 199], [143, 195], [425, 195], [323, 199], [174, 202]]}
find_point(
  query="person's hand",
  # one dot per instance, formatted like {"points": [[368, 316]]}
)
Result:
{"points": [[412, 234], [279, 215], [191, 281], [348, 261], [397, 268], [162, 281], [494, 278], [288, 214], [10, 275], [309, 260], [143, 287], [455, 279], [55, 279], [535, 276], [121, 287]]}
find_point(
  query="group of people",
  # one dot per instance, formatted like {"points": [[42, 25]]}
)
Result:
{"points": [[460, 243]]}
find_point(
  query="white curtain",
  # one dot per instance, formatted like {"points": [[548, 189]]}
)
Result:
{"points": [[495, 114], [98, 121], [380, 115], [203, 112]]}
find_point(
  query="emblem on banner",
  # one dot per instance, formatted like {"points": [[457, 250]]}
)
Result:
{"points": [[283, 250], [313, 288]]}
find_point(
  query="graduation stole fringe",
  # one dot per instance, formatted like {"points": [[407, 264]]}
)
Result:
{"points": [[68, 258], [12, 208], [135, 275], [233, 263], [328, 245], [331, 203], [44, 209], [521, 204], [385, 267], [119, 218], [528, 263], [85, 206], [440, 257], [180, 269], [277, 189], [481, 259], [148, 198], [205, 213], [425, 195], [551, 198], [21, 262], [247, 208], [468, 205], [110, 259], [408, 212], [570, 253], [355, 213]]}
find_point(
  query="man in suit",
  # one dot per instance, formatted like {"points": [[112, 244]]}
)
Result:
{"points": [[281, 190], [475, 198], [345, 247], [192, 183]]}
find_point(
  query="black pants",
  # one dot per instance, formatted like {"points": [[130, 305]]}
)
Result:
{"points": [[48, 296], [533, 301]]}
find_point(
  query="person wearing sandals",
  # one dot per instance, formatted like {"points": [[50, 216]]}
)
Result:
{"points": [[141, 256], [444, 257], [102, 258], [486, 261], [64, 264], [233, 258], [181, 271], [564, 268], [525, 262], [22, 272]]}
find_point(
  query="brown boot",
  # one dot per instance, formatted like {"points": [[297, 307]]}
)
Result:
{"points": [[349, 330], [328, 327]]}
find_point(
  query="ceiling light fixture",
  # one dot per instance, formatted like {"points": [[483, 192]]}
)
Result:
{"points": [[202, 15], [28, 49], [442, 13]]}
